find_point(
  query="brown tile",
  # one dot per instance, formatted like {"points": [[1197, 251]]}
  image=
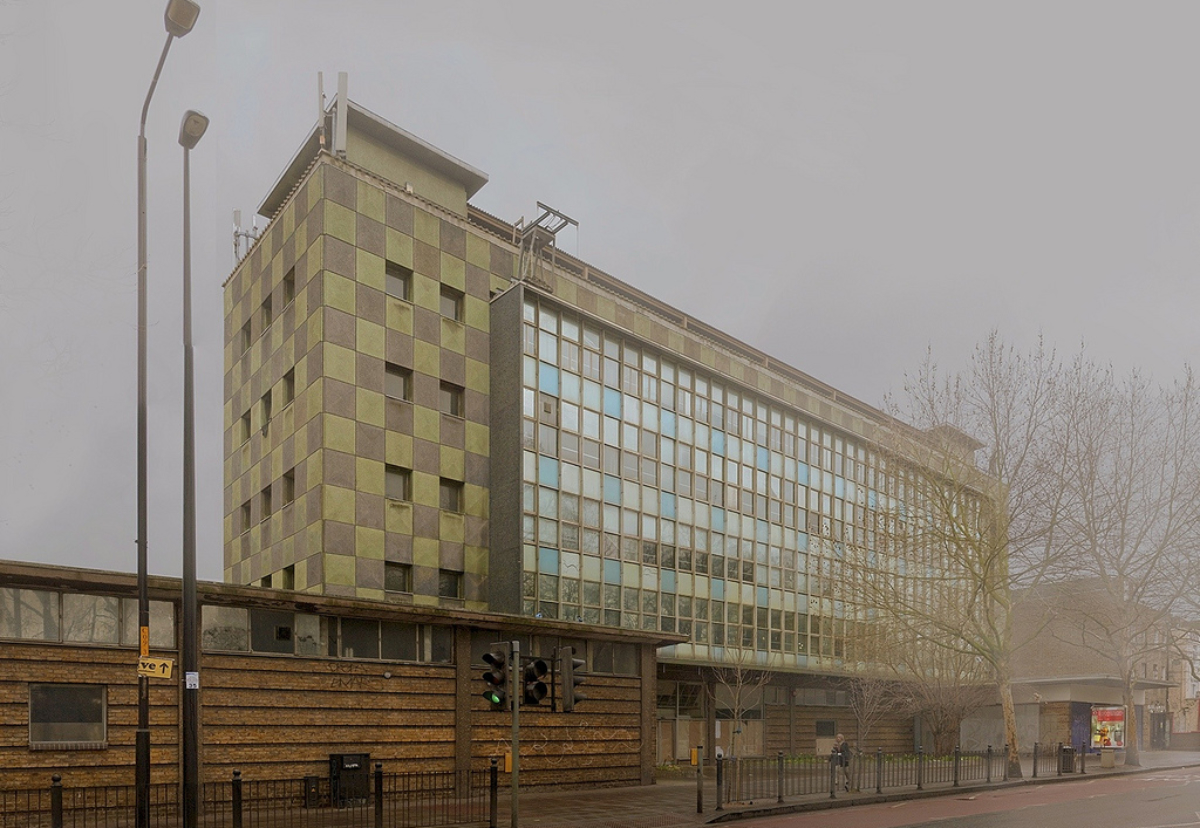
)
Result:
{"points": [[454, 240], [476, 468], [477, 345], [427, 325], [399, 348], [339, 469], [476, 405], [425, 580], [453, 432], [369, 235], [450, 555], [368, 510], [453, 367], [399, 215], [398, 416], [427, 260], [339, 538], [340, 328], [370, 304], [368, 573], [426, 456], [397, 547], [501, 262], [315, 224], [478, 281], [339, 256], [341, 187], [315, 292], [425, 522], [340, 398], [369, 441], [368, 371], [475, 530]]}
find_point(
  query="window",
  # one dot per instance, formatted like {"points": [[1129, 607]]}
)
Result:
{"points": [[289, 577], [289, 486], [397, 382], [245, 338], [397, 577], [67, 716], [267, 315], [452, 304], [266, 503], [398, 280], [397, 483], [29, 614], [449, 584], [244, 427], [289, 286], [450, 399], [245, 510], [450, 495], [266, 411], [289, 387]]}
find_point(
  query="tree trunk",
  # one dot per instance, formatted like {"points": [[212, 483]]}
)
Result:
{"points": [[1010, 727], [1132, 757]]}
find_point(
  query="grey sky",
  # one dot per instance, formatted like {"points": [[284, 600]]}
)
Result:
{"points": [[841, 185]]}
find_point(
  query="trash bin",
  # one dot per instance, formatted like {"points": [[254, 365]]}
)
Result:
{"points": [[349, 778], [1108, 757], [1067, 759]]}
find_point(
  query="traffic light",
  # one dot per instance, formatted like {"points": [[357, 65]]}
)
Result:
{"points": [[496, 678], [535, 688], [567, 665]]}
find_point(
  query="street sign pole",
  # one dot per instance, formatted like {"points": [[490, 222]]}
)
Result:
{"points": [[515, 676]]}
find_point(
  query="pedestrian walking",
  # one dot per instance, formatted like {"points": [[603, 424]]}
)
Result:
{"points": [[840, 757]]}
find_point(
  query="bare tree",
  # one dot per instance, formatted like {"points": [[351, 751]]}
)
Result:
{"points": [[975, 512], [1130, 518], [738, 682]]}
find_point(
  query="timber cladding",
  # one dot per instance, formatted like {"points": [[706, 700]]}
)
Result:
{"points": [[280, 717]]}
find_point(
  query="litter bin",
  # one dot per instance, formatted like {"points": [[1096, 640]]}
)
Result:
{"points": [[349, 779], [1108, 757], [1067, 759]]}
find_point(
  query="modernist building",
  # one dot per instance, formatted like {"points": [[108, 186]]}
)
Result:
{"points": [[426, 404]]}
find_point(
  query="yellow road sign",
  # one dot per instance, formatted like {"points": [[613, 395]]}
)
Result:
{"points": [[156, 667]]}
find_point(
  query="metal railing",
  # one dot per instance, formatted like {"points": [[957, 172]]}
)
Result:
{"points": [[761, 778], [372, 800]]}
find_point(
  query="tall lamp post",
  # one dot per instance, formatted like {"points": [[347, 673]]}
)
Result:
{"points": [[191, 130], [179, 18]]}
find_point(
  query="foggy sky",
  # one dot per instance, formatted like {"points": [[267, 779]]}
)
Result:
{"points": [[840, 185]]}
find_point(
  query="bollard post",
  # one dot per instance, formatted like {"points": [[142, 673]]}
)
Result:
{"points": [[1060, 758], [920, 768], [1082, 756], [56, 811], [1035, 755], [494, 793], [779, 779], [987, 773], [878, 770], [235, 804], [720, 781], [1006, 761], [379, 795], [832, 776], [957, 759], [699, 779]]}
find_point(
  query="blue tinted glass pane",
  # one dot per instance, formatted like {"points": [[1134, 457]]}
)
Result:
{"points": [[718, 442], [871, 499], [547, 379], [763, 459], [802, 541], [762, 530], [591, 395], [667, 505], [667, 420], [612, 489], [718, 589], [802, 474], [839, 487], [668, 580], [717, 520], [548, 561], [612, 572], [548, 471], [612, 402], [762, 596]]}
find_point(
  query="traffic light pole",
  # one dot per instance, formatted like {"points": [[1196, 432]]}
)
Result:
{"points": [[514, 673]]}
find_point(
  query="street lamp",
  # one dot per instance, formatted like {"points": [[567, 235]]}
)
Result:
{"points": [[191, 130], [179, 18]]}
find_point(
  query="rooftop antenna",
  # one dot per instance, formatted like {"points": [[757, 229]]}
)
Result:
{"points": [[243, 240], [321, 109], [538, 243], [343, 106]]}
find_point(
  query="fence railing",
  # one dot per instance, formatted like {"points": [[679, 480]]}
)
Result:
{"points": [[370, 800], [759, 778]]}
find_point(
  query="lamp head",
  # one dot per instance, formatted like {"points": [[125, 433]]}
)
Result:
{"points": [[192, 129], [181, 16]]}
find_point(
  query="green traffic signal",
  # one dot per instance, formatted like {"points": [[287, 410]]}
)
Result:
{"points": [[496, 679]]}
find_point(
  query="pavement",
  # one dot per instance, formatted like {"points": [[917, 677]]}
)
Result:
{"points": [[671, 803]]}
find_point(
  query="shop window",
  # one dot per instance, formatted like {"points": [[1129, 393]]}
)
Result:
{"points": [[67, 716]]}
